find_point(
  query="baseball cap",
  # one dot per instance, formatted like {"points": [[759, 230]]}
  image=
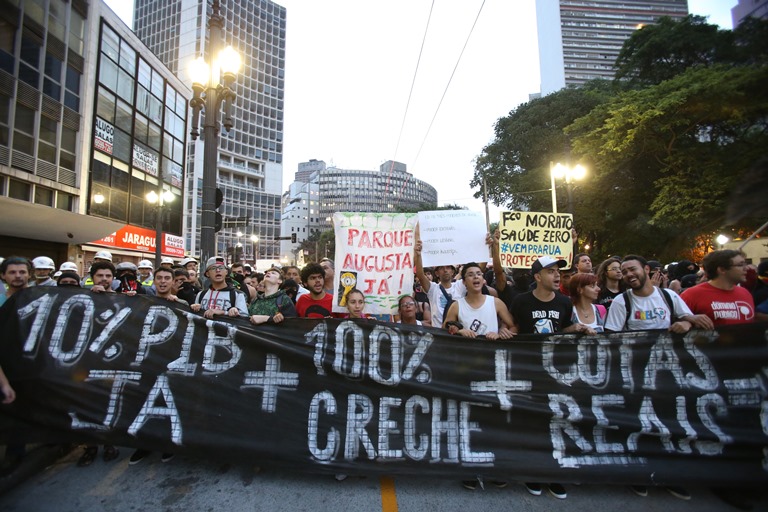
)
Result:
{"points": [[546, 262], [216, 260]]}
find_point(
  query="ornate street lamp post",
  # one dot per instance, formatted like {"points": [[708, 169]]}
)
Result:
{"points": [[212, 86]]}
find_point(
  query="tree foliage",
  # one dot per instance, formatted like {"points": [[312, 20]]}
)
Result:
{"points": [[665, 144]]}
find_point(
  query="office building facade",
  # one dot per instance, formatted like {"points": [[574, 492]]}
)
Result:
{"points": [[90, 122], [579, 40], [749, 8], [251, 153]]}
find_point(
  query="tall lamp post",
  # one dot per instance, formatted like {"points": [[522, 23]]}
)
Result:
{"points": [[570, 174], [255, 249], [159, 200], [212, 86]]}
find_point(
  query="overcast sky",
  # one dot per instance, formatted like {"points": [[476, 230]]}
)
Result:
{"points": [[349, 69]]}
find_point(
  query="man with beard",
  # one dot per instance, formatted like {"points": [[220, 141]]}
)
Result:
{"points": [[644, 306], [317, 303]]}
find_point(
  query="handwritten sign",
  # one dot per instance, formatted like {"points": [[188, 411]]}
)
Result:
{"points": [[374, 253], [527, 236], [451, 237]]}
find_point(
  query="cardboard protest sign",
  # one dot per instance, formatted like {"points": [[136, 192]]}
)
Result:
{"points": [[527, 236], [374, 253], [452, 237]]}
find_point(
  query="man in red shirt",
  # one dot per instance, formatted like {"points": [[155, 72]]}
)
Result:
{"points": [[721, 298], [317, 303]]}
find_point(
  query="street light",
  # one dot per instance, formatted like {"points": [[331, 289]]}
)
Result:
{"points": [[159, 200], [570, 174], [212, 85], [255, 249], [722, 240]]}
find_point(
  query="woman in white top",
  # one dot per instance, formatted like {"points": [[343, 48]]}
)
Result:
{"points": [[584, 291], [478, 314]]}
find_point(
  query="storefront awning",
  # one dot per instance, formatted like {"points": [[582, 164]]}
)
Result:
{"points": [[26, 220]]}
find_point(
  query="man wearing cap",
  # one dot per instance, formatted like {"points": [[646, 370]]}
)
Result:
{"points": [[145, 272], [166, 262], [446, 290], [44, 266], [220, 298], [544, 310]]}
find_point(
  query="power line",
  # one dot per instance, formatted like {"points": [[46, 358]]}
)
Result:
{"points": [[449, 82], [410, 94]]}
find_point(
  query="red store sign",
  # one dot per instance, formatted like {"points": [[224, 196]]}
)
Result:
{"points": [[142, 239]]}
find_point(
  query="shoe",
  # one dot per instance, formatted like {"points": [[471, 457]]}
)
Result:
{"points": [[340, 477], [558, 491], [138, 456], [167, 457], [679, 492], [110, 453], [640, 490], [88, 456], [469, 484], [533, 488], [499, 483]]}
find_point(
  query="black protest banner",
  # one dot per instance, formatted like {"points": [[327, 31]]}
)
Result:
{"points": [[370, 397]]}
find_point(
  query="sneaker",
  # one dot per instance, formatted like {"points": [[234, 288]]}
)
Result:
{"points": [[167, 457], [640, 490], [499, 483], [533, 488], [138, 456], [469, 484], [340, 477], [679, 492], [558, 491]]}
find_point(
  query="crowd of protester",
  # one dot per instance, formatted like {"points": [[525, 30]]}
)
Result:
{"points": [[623, 293]]}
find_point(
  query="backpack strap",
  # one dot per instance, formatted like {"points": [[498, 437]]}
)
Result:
{"points": [[668, 299], [628, 305]]}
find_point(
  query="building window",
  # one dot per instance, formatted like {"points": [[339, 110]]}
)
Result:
{"points": [[19, 190]]}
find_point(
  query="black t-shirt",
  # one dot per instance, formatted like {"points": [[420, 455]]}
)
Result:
{"points": [[605, 297], [533, 316]]}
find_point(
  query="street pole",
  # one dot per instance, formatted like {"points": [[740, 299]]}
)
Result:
{"points": [[158, 231], [554, 191]]}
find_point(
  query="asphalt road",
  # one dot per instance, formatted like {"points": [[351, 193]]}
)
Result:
{"points": [[186, 485]]}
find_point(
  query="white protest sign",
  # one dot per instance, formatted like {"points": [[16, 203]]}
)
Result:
{"points": [[451, 237], [374, 253]]}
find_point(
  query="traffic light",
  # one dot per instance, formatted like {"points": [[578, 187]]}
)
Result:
{"points": [[293, 238]]}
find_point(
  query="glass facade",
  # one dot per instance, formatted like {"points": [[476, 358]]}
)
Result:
{"points": [[42, 46], [139, 137]]}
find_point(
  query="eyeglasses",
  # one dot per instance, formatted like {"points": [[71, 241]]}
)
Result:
{"points": [[407, 304], [218, 267]]}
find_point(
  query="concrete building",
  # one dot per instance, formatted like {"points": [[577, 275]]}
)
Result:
{"points": [[250, 155], [579, 40], [90, 122], [749, 8], [392, 188]]}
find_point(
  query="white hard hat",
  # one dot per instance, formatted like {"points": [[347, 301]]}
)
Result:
{"points": [[187, 260], [104, 255], [68, 265], [56, 274], [43, 262], [145, 264], [167, 260]]}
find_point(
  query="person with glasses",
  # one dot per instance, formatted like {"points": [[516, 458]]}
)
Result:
{"points": [[609, 281], [220, 299], [406, 310], [722, 298]]}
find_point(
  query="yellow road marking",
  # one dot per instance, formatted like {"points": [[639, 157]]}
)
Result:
{"points": [[388, 497]]}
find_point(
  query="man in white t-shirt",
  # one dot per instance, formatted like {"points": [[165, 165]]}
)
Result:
{"points": [[649, 307], [438, 299]]}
